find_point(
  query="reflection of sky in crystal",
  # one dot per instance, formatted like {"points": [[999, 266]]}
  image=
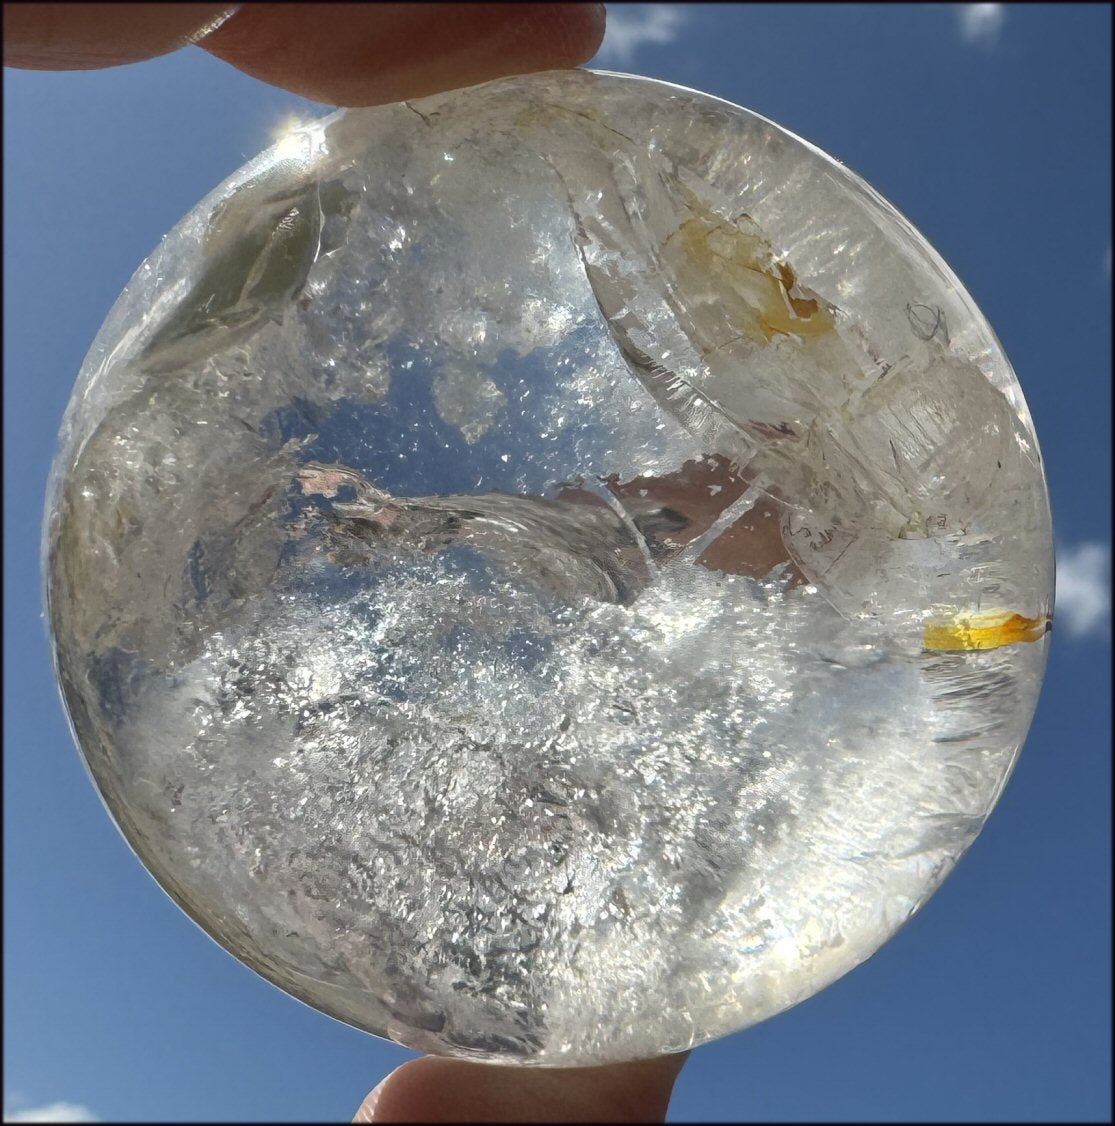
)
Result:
{"points": [[991, 130], [532, 444], [403, 444]]}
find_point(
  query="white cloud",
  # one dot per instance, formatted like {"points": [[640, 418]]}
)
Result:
{"points": [[1084, 588], [630, 26], [981, 23], [55, 1112]]}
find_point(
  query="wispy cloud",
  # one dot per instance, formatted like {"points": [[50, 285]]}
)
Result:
{"points": [[980, 24], [1084, 589], [55, 1112], [631, 26]]}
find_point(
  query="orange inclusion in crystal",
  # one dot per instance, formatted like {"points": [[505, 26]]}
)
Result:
{"points": [[984, 631]]}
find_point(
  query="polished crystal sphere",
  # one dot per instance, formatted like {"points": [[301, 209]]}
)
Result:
{"points": [[550, 573]]}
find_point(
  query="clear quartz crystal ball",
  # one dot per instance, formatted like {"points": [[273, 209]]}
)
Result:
{"points": [[551, 573]]}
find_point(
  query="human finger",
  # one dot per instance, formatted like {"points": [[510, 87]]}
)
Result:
{"points": [[369, 54], [437, 1089], [340, 54], [89, 36]]}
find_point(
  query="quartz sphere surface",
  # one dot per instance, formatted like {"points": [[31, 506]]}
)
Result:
{"points": [[550, 573]]}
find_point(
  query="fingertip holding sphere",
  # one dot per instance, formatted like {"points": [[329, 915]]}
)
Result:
{"points": [[368, 54], [434, 1089]]}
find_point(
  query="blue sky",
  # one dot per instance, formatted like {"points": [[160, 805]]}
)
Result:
{"points": [[989, 126]]}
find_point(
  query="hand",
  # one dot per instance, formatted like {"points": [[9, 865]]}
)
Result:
{"points": [[359, 55]]}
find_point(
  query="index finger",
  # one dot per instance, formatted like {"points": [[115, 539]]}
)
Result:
{"points": [[367, 54], [339, 54]]}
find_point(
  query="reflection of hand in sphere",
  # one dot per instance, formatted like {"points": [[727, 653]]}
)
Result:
{"points": [[600, 544]]}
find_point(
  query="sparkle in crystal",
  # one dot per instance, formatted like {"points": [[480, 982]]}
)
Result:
{"points": [[553, 573]]}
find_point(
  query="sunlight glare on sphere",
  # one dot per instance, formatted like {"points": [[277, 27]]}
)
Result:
{"points": [[551, 573]]}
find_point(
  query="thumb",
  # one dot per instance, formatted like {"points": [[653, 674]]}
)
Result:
{"points": [[437, 1089]]}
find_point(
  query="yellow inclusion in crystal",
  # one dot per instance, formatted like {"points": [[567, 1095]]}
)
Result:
{"points": [[988, 630]]}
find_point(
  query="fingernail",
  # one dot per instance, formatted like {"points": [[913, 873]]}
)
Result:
{"points": [[367, 1109], [218, 21]]}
